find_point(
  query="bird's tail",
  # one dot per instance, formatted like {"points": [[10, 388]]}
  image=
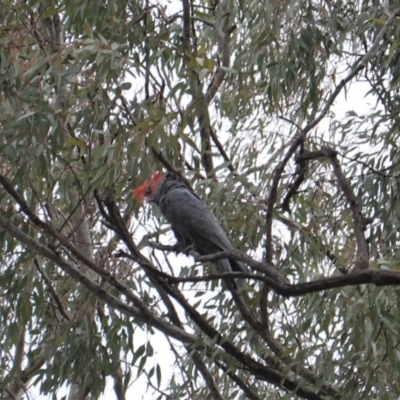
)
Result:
{"points": [[227, 265], [237, 266]]}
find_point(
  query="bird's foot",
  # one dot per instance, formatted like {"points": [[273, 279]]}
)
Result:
{"points": [[188, 249], [180, 248], [177, 248]]}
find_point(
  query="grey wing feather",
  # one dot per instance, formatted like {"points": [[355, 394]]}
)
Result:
{"points": [[193, 220]]}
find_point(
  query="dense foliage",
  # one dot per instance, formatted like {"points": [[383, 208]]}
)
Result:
{"points": [[247, 102]]}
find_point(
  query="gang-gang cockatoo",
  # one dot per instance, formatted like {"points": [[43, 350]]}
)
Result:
{"points": [[191, 220]]}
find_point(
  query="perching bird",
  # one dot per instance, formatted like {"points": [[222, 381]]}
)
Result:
{"points": [[191, 220]]}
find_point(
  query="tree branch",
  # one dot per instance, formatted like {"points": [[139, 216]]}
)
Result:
{"points": [[273, 194], [301, 170], [221, 149], [357, 277], [186, 30], [262, 372], [224, 51], [362, 257]]}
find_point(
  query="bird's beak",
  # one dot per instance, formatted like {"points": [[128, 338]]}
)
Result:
{"points": [[149, 198]]}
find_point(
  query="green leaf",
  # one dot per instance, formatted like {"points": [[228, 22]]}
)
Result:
{"points": [[33, 72]]}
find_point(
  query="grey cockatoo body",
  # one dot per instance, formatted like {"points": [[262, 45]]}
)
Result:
{"points": [[191, 220]]}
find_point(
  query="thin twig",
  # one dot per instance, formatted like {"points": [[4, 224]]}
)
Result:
{"points": [[221, 149], [50, 287]]}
